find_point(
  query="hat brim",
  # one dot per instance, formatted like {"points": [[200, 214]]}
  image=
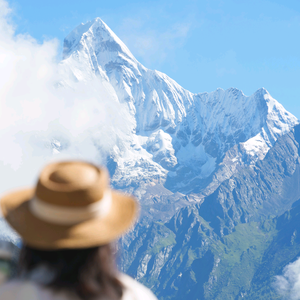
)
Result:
{"points": [[44, 235]]}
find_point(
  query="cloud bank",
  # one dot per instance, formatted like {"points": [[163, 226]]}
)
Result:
{"points": [[288, 284], [43, 119]]}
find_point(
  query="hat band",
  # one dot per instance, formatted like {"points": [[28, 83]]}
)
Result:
{"points": [[5, 254], [63, 215]]}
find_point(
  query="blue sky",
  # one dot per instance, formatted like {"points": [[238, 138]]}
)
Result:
{"points": [[202, 45]]}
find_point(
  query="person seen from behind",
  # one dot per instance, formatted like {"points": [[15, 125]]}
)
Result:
{"points": [[69, 223]]}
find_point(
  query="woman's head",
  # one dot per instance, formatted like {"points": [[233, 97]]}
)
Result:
{"points": [[90, 273], [72, 206]]}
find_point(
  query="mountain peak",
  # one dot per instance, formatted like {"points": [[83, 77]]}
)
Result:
{"points": [[94, 34]]}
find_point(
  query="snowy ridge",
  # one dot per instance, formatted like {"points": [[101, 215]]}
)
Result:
{"points": [[179, 138]]}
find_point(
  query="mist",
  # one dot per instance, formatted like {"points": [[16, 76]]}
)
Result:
{"points": [[288, 284], [45, 117]]}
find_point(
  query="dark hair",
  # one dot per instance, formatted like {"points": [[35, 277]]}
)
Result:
{"points": [[89, 273]]}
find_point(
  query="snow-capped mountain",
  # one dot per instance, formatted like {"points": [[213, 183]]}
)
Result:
{"points": [[188, 142]]}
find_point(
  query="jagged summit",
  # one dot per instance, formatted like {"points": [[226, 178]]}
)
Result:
{"points": [[96, 33], [94, 49]]}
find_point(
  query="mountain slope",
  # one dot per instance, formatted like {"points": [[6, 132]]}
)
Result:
{"points": [[283, 249], [228, 246]]}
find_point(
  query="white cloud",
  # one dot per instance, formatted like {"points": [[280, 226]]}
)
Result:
{"points": [[37, 114], [288, 284]]}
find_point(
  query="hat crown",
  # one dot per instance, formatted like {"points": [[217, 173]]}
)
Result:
{"points": [[74, 174], [72, 183]]}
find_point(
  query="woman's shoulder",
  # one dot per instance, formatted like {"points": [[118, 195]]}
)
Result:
{"points": [[21, 290], [135, 290]]}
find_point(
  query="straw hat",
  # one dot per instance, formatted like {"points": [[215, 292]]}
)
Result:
{"points": [[71, 206]]}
